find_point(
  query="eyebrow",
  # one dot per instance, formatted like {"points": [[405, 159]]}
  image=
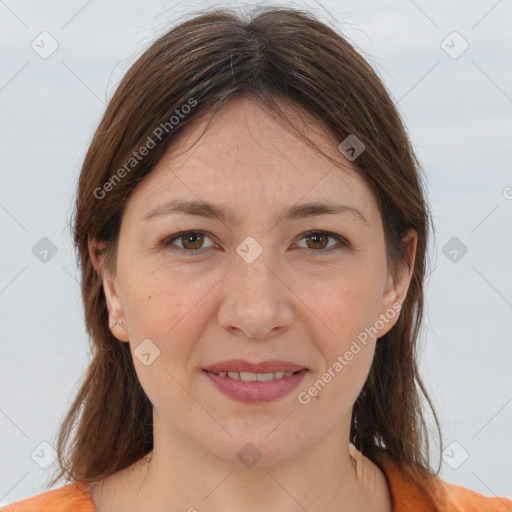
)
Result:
{"points": [[215, 211]]}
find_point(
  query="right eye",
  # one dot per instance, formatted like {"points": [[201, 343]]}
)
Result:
{"points": [[190, 240]]}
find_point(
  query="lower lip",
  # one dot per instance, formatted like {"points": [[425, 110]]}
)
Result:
{"points": [[254, 392]]}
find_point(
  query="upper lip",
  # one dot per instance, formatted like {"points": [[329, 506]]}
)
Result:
{"points": [[239, 365]]}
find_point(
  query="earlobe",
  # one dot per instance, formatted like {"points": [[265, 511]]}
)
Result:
{"points": [[405, 273], [110, 289], [115, 308], [396, 287]]}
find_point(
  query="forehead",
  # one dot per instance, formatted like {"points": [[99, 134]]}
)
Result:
{"points": [[246, 157]]}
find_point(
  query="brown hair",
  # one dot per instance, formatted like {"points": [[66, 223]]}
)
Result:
{"points": [[274, 55]]}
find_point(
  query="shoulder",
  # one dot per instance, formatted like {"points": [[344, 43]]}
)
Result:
{"points": [[74, 497], [407, 496], [468, 500]]}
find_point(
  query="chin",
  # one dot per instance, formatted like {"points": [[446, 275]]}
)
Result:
{"points": [[256, 445]]}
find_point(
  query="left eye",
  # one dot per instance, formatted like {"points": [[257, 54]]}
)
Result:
{"points": [[193, 240], [316, 236]]}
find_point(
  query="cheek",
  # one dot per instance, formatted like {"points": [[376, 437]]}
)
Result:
{"points": [[348, 308], [348, 304], [334, 390], [166, 313], [165, 307], [347, 364]]}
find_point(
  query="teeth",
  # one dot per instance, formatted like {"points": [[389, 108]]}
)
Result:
{"points": [[253, 377]]}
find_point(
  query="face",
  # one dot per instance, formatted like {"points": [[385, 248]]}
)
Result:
{"points": [[271, 280]]}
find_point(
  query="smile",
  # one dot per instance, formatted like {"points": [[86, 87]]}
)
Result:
{"points": [[252, 387], [253, 377]]}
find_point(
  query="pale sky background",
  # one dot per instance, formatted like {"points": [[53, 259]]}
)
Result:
{"points": [[458, 109]]}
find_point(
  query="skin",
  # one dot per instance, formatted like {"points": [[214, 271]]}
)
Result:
{"points": [[301, 300]]}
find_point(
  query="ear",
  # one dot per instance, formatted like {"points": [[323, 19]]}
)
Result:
{"points": [[396, 288], [111, 290]]}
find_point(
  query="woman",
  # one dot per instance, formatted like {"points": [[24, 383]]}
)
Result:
{"points": [[252, 233]]}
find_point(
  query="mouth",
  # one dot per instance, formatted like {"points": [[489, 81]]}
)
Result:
{"points": [[255, 382], [255, 377], [241, 366]]}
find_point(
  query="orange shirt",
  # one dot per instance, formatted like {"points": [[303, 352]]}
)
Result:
{"points": [[75, 497]]}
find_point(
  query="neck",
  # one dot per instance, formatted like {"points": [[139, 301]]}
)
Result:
{"points": [[319, 480]]}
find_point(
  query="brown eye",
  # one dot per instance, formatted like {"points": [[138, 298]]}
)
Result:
{"points": [[194, 239], [317, 241], [191, 241]]}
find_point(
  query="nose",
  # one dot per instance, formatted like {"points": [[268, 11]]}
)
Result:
{"points": [[257, 302]]}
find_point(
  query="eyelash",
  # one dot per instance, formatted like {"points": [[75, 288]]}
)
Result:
{"points": [[167, 242]]}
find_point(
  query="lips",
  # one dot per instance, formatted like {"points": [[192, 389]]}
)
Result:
{"points": [[244, 388], [255, 382], [270, 366]]}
